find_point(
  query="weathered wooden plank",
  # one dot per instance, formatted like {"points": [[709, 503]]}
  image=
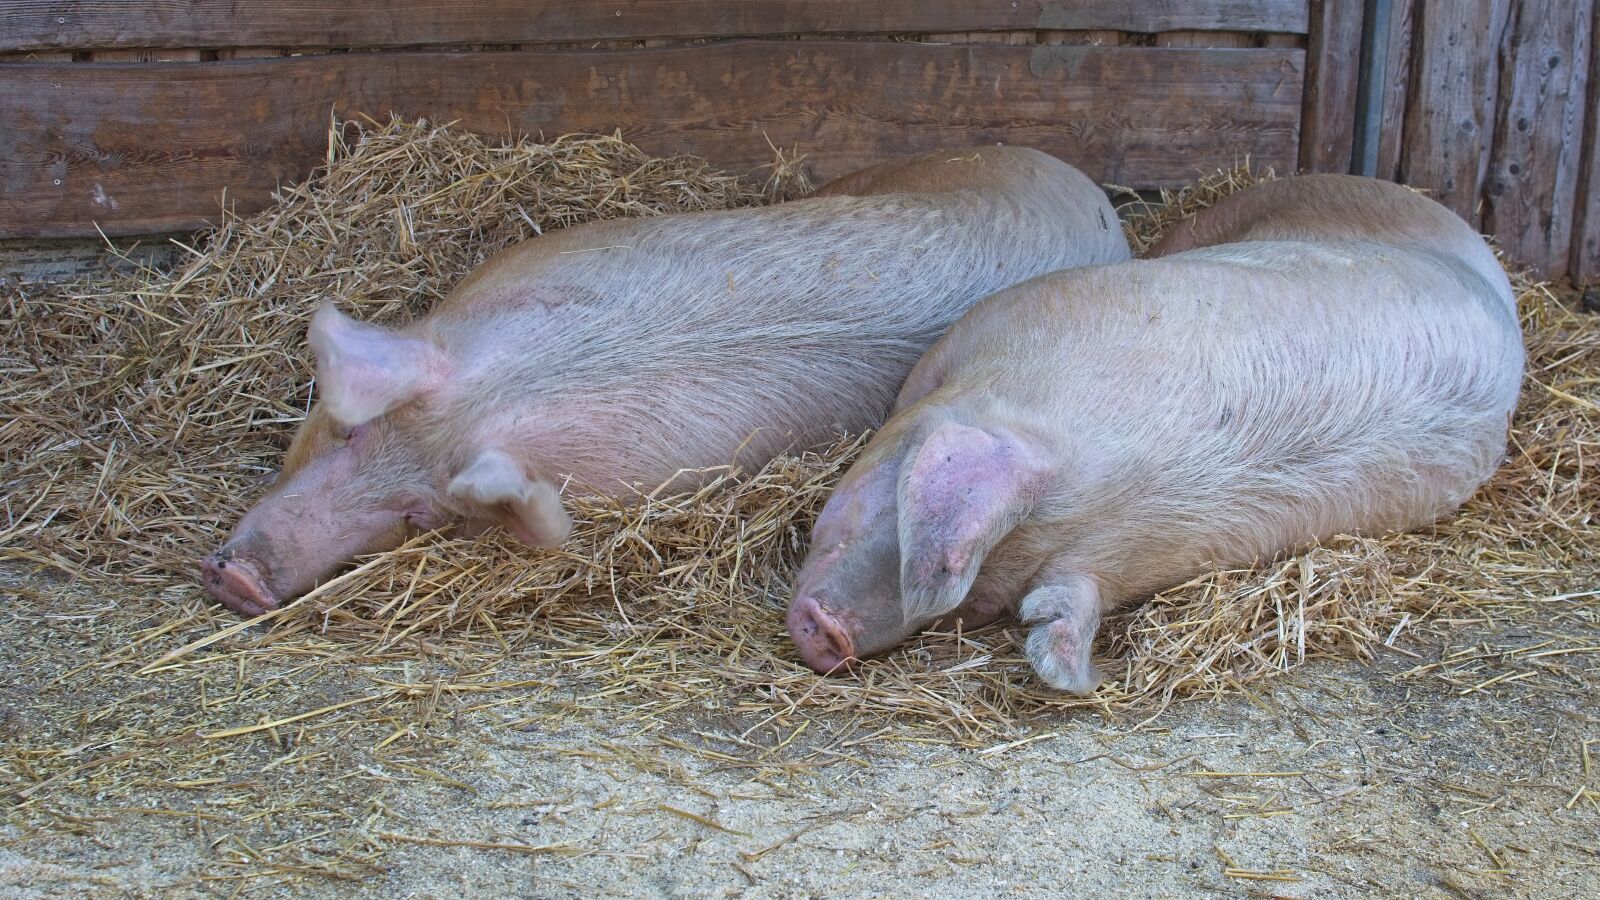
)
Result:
{"points": [[1328, 123], [1081, 38], [1532, 181], [1397, 80], [39, 56], [1204, 39], [212, 24], [1585, 264], [156, 55], [249, 53], [1450, 115], [1009, 38], [149, 147]]}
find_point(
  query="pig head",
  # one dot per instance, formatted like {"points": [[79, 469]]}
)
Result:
{"points": [[899, 545], [380, 457]]}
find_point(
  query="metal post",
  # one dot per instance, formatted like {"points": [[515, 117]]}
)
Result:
{"points": [[1369, 87]]}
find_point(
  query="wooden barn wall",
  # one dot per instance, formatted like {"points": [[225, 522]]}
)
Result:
{"points": [[135, 119], [1491, 107]]}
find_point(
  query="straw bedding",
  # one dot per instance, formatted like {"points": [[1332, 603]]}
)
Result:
{"points": [[143, 412]]}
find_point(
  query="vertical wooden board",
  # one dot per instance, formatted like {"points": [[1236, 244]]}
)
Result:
{"points": [[1396, 87], [1532, 181], [1585, 255], [1328, 122], [1450, 114]]}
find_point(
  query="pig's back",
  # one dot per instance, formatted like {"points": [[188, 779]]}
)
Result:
{"points": [[1330, 208], [689, 332], [1232, 402]]}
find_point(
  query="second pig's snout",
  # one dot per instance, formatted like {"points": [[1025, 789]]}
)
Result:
{"points": [[825, 643], [236, 584]]}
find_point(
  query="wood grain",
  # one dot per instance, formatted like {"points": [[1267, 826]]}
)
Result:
{"points": [[1532, 181], [139, 148], [1328, 122], [1397, 83], [1204, 39], [1081, 38], [1450, 115], [1585, 254], [213, 24]]}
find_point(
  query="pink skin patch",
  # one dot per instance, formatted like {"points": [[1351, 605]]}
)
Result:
{"points": [[846, 603], [310, 525], [824, 641], [363, 371], [236, 584], [964, 490]]}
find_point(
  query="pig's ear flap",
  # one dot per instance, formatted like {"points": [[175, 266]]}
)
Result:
{"points": [[494, 486], [962, 491], [363, 371]]}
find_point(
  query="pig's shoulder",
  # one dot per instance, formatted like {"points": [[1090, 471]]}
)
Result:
{"points": [[1345, 261]]}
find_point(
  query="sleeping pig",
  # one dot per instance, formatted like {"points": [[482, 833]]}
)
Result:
{"points": [[1309, 357], [618, 354]]}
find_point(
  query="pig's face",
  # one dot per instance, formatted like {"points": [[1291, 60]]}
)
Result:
{"points": [[344, 491], [847, 596], [901, 540], [377, 459]]}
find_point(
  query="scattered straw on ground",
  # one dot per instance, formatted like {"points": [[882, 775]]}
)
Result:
{"points": [[143, 413]]}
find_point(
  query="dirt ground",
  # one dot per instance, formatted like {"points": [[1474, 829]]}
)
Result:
{"points": [[1474, 778]]}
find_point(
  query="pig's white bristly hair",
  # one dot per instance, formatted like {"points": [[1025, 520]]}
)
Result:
{"points": [[1242, 399], [670, 342], [628, 351]]}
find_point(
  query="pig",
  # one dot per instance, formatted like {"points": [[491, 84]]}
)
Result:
{"points": [[615, 356], [1310, 357]]}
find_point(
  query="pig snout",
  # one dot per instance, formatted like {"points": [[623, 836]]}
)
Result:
{"points": [[824, 641], [236, 583]]}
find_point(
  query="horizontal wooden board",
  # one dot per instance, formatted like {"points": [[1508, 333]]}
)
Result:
{"points": [[210, 24], [148, 147]]}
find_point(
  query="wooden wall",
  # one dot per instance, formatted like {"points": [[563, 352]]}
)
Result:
{"points": [[1492, 107], [135, 118]]}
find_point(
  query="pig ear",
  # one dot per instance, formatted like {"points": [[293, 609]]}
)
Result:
{"points": [[962, 492], [363, 371], [495, 486]]}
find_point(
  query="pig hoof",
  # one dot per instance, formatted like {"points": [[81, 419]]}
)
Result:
{"points": [[236, 584], [824, 643], [1061, 657]]}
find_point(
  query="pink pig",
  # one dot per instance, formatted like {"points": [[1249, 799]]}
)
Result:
{"points": [[618, 354], [1327, 354]]}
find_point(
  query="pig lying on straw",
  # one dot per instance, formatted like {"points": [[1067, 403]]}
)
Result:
{"points": [[1311, 356], [618, 354]]}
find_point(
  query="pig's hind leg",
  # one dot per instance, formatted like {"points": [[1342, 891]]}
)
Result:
{"points": [[1064, 616]]}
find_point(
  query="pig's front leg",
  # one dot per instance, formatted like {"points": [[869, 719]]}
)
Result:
{"points": [[1064, 617]]}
